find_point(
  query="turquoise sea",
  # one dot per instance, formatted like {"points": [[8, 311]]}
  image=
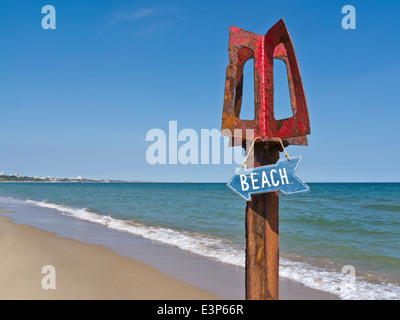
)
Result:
{"points": [[322, 231]]}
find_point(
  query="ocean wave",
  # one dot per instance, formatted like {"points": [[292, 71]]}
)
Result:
{"points": [[336, 282], [225, 251], [198, 243]]}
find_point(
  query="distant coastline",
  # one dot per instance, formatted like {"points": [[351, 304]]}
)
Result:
{"points": [[17, 178]]}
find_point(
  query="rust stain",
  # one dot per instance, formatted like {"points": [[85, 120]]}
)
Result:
{"points": [[276, 44]]}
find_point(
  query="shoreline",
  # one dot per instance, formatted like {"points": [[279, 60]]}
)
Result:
{"points": [[220, 280]]}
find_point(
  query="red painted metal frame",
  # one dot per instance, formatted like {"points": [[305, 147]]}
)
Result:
{"points": [[276, 44]]}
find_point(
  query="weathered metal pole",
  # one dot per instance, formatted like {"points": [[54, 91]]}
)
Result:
{"points": [[262, 233], [262, 212]]}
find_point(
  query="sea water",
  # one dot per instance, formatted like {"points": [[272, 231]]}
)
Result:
{"points": [[342, 238]]}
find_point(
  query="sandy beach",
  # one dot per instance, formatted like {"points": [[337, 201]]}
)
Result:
{"points": [[94, 271], [83, 271]]}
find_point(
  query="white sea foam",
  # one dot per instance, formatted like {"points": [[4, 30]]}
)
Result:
{"points": [[228, 252], [337, 283], [208, 246]]}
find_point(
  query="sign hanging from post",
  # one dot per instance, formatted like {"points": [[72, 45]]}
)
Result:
{"points": [[277, 177]]}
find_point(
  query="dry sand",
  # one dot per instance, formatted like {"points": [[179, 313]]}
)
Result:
{"points": [[83, 271]]}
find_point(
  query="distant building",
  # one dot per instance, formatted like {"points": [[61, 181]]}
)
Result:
{"points": [[2, 174], [79, 178]]}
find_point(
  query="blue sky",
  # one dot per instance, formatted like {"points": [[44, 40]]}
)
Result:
{"points": [[79, 100]]}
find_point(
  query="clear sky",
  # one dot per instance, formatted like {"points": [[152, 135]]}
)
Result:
{"points": [[80, 99]]}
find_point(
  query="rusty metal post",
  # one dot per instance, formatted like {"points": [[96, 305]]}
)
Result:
{"points": [[262, 212], [262, 233]]}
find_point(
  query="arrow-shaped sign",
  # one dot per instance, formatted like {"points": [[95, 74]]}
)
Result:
{"points": [[279, 176]]}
